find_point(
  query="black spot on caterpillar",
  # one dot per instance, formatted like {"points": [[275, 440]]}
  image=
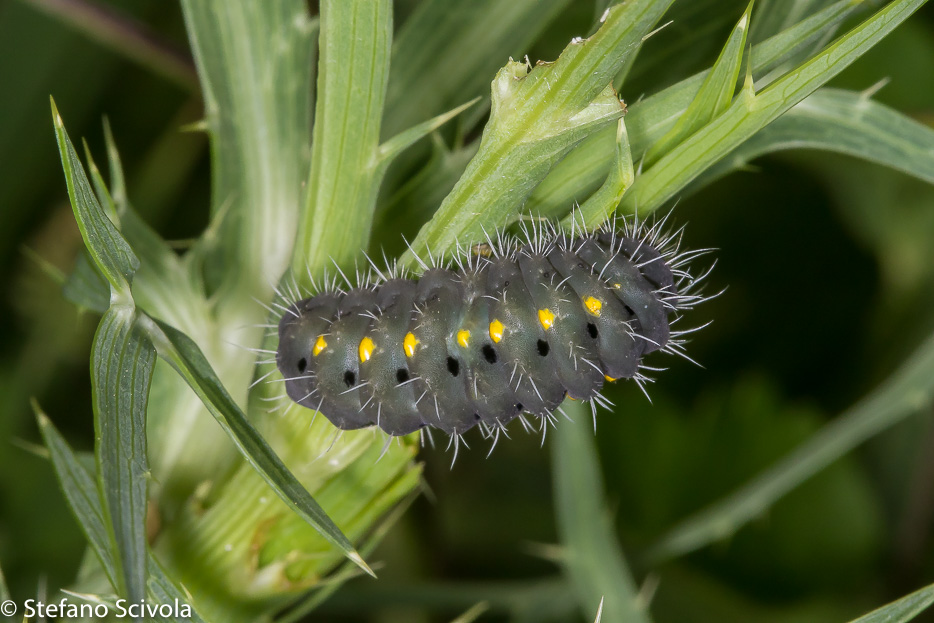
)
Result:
{"points": [[504, 333]]}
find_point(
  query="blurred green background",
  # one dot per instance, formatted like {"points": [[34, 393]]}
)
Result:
{"points": [[829, 269]]}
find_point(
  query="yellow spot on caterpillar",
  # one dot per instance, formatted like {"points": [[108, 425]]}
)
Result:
{"points": [[319, 346], [593, 305], [463, 338], [496, 330], [546, 317], [366, 349], [409, 342], [617, 286], [609, 378], [570, 397], [482, 250]]}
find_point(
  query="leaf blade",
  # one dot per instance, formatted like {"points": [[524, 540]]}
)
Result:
{"points": [[843, 122], [110, 252], [82, 496], [901, 610], [751, 112], [122, 363], [714, 95], [187, 359]]}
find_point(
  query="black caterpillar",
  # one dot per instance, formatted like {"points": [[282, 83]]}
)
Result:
{"points": [[515, 329]]}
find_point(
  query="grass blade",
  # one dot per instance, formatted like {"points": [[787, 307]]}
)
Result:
{"points": [[751, 112], [187, 359], [110, 252], [843, 122], [592, 556], [82, 495], [901, 610], [121, 367], [336, 219], [907, 391], [714, 95]]}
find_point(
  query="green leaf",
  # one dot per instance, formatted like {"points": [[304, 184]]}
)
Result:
{"points": [[117, 179], [592, 557], [164, 590], [110, 252], [335, 221], [84, 500], [600, 205], [585, 168], [121, 367], [843, 122], [187, 359], [442, 56], [751, 112], [394, 146], [715, 93], [901, 610], [907, 391], [537, 116], [255, 63], [774, 16], [82, 495]]}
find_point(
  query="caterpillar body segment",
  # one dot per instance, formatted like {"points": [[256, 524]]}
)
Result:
{"points": [[510, 332]]}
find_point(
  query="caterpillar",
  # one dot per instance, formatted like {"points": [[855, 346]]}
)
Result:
{"points": [[504, 330]]}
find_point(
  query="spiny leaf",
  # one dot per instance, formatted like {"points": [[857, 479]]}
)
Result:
{"points": [[844, 122], [82, 495], [751, 112], [187, 359], [84, 500], [121, 370], [715, 93], [600, 205], [110, 252], [585, 168]]}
